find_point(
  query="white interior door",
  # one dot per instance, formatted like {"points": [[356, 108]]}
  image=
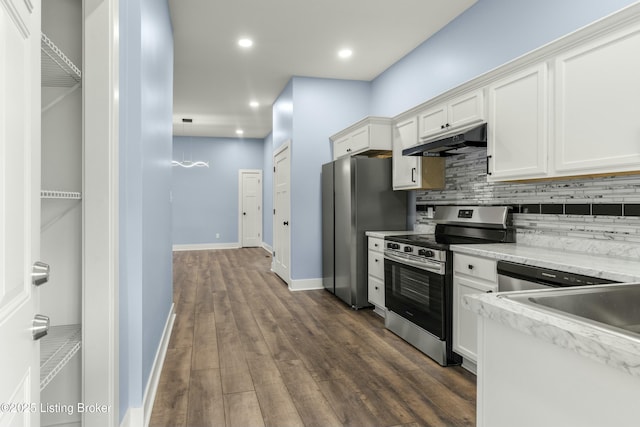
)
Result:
{"points": [[282, 209], [250, 208], [19, 209]]}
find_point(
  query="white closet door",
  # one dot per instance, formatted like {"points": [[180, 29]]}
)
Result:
{"points": [[250, 208], [282, 205], [19, 209]]}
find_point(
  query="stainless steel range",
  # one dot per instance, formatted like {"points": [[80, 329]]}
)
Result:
{"points": [[418, 275]]}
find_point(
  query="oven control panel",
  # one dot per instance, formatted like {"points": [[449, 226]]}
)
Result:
{"points": [[416, 252], [465, 213]]}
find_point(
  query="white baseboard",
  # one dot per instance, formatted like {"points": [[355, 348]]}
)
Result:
{"points": [[206, 246], [140, 416], [133, 418], [267, 248], [305, 284]]}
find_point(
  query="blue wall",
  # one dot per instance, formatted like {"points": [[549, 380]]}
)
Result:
{"points": [[267, 191], [205, 200], [487, 35], [283, 116], [322, 107], [146, 101]]}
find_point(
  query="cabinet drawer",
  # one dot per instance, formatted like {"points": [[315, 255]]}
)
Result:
{"points": [[481, 268], [376, 291], [376, 265], [376, 244]]}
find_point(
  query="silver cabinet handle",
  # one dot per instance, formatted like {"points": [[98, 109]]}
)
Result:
{"points": [[40, 273], [40, 326]]}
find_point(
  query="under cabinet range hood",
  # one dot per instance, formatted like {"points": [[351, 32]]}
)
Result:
{"points": [[472, 136]]}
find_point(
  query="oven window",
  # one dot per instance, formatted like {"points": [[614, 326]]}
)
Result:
{"points": [[411, 285], [417, 295]]}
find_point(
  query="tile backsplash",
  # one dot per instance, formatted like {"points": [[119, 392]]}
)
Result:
{"points": [[599, 215]]}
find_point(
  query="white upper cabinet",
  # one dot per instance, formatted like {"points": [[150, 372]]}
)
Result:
{"points": [[433, 121], [570, 108], [461, 111], [369, 134], [518, 129], [405, 168], [414, 172], [597, 99]]}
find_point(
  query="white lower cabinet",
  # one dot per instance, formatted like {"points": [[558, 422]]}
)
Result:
{"points": [[376, 274], [471, 275]]}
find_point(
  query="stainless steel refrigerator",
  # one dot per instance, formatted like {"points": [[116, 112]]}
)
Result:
{"points": [[357, 196]]}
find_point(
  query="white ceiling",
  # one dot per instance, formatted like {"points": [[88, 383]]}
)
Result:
{"points": [[214, 79]]}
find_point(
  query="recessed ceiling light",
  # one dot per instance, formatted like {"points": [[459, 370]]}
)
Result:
{"points": [[239, 132], [254, 104], [245, 42], [345, 53]]}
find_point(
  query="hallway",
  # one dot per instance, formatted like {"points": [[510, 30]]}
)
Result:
{"points": [[245, 351]]}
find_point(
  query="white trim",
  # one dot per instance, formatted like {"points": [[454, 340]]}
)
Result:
{"points": [[267, 248], [206, 246], [141, 416], [241, 172], [134, 417], [305, 284], [100, 227], [156, 370]]}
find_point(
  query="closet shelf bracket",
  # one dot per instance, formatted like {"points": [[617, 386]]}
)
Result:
{"points": [[57, 69], [55, 194]]}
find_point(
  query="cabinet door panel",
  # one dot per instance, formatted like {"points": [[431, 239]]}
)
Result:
{"points": [[518, 130], [466, 110], [406, 169], [465, 322], [340, 147], [597, 93], [359, 140], [432, 121]]}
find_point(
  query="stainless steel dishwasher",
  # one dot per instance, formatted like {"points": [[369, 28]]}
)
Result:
{"points": [[520, 277]]}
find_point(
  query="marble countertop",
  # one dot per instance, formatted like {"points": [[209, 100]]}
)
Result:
{"points": [[618, 350], [383, 234], [606, 267]]}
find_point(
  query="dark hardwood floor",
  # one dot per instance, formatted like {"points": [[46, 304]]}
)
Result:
{"points": [[245, 351]]}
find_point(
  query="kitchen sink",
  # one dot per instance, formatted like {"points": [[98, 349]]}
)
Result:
{"points": [[612, 306]]}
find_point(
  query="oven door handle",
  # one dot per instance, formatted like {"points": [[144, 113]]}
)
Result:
{"points": [[434, 267]]}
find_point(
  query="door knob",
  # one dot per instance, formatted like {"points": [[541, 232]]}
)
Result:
{"points": [[40, 326], [40, 273]]}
